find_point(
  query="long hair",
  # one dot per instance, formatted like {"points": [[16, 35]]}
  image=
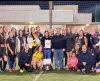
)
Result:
{"points": [[67, 33], [24, 30], [37, 48]]}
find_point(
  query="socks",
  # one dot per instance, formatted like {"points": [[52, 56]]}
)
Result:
{"points": [[1, 64], [4, 64]]}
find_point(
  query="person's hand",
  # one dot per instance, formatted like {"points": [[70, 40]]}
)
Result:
{"points": [[18, 50], [27, 64], [52, 50], [84, 63], [2, 45], [6, 52], [94, 46], [22, 44], [63, 49], [12, 52], [44, 47]]}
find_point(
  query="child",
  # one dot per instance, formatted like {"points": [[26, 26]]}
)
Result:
{"points": [[37, 58], [72, 62], [11, 46]]}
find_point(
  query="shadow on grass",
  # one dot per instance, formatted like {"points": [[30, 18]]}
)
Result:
{"points": [[68, 72], [17, 72]]}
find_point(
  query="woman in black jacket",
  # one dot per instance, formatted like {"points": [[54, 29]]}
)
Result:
{"points": [[25, 58], [70, 42]]}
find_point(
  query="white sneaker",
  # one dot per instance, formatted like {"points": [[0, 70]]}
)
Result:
{"points": [[21, 71]]}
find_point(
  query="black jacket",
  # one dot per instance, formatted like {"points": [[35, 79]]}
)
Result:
{"points": [[58, 42], [43, 41], [25, 57]]}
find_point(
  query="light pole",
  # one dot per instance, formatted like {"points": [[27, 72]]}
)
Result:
{"points": [[50, 14]]}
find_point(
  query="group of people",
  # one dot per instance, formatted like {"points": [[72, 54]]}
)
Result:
{"points": [[77, 51]]}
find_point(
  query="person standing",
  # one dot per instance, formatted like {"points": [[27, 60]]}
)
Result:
{"points": [[70, 42], [20, 41], [47, 44], [58, 47], [38, 33], [26, 32], [32, 40], [65, 55], [51, 34], [81, 39], [11, 46], [2, 51]]}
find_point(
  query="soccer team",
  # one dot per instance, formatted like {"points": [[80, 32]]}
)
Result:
{"points": [[77, 51]]}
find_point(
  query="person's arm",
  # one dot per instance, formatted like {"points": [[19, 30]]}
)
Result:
{"points": [[86, 41], [42, 42], [17, 44], [20, 56], [8, 47], [53, 44], [29, 59], [64, 43], [89, 60], [98, 44], [79, 58]]}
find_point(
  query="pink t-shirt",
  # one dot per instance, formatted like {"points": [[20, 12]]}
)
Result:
{"points": [[72, 62]]}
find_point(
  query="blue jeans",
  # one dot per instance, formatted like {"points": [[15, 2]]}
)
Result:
{"points": [[58, 57], [47, 54]]}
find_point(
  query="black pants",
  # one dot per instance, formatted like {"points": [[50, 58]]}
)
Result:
{"points": [[87, 67], [11, 59], [27, 68], [22, 66], [52, 57], [65, 56]]}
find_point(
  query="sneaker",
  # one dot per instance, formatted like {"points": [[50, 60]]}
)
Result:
{"points": [[10, 70], [61, 69], [4, 70], [83, 70], [13, 70], [21, 71]]}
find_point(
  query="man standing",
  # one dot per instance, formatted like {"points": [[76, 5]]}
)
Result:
{"points": [[58, 47], [38, 33]]}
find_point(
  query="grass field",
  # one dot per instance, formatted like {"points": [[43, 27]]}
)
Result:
{"points": [[58, 75], [62, 75]]}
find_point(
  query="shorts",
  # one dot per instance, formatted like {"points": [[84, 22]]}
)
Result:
{"points": [[2, 52]]}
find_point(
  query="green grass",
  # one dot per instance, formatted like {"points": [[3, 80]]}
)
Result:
{"points": [[68, 76], [49, 76], [16, 76]]}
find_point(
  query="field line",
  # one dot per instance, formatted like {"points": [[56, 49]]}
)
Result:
{"points": [[37, 76]]}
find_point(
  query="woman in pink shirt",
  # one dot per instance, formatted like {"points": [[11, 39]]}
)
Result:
{"points": [[72, 62]]}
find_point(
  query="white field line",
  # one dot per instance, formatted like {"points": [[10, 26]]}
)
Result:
{"points": [[37, 76]]}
